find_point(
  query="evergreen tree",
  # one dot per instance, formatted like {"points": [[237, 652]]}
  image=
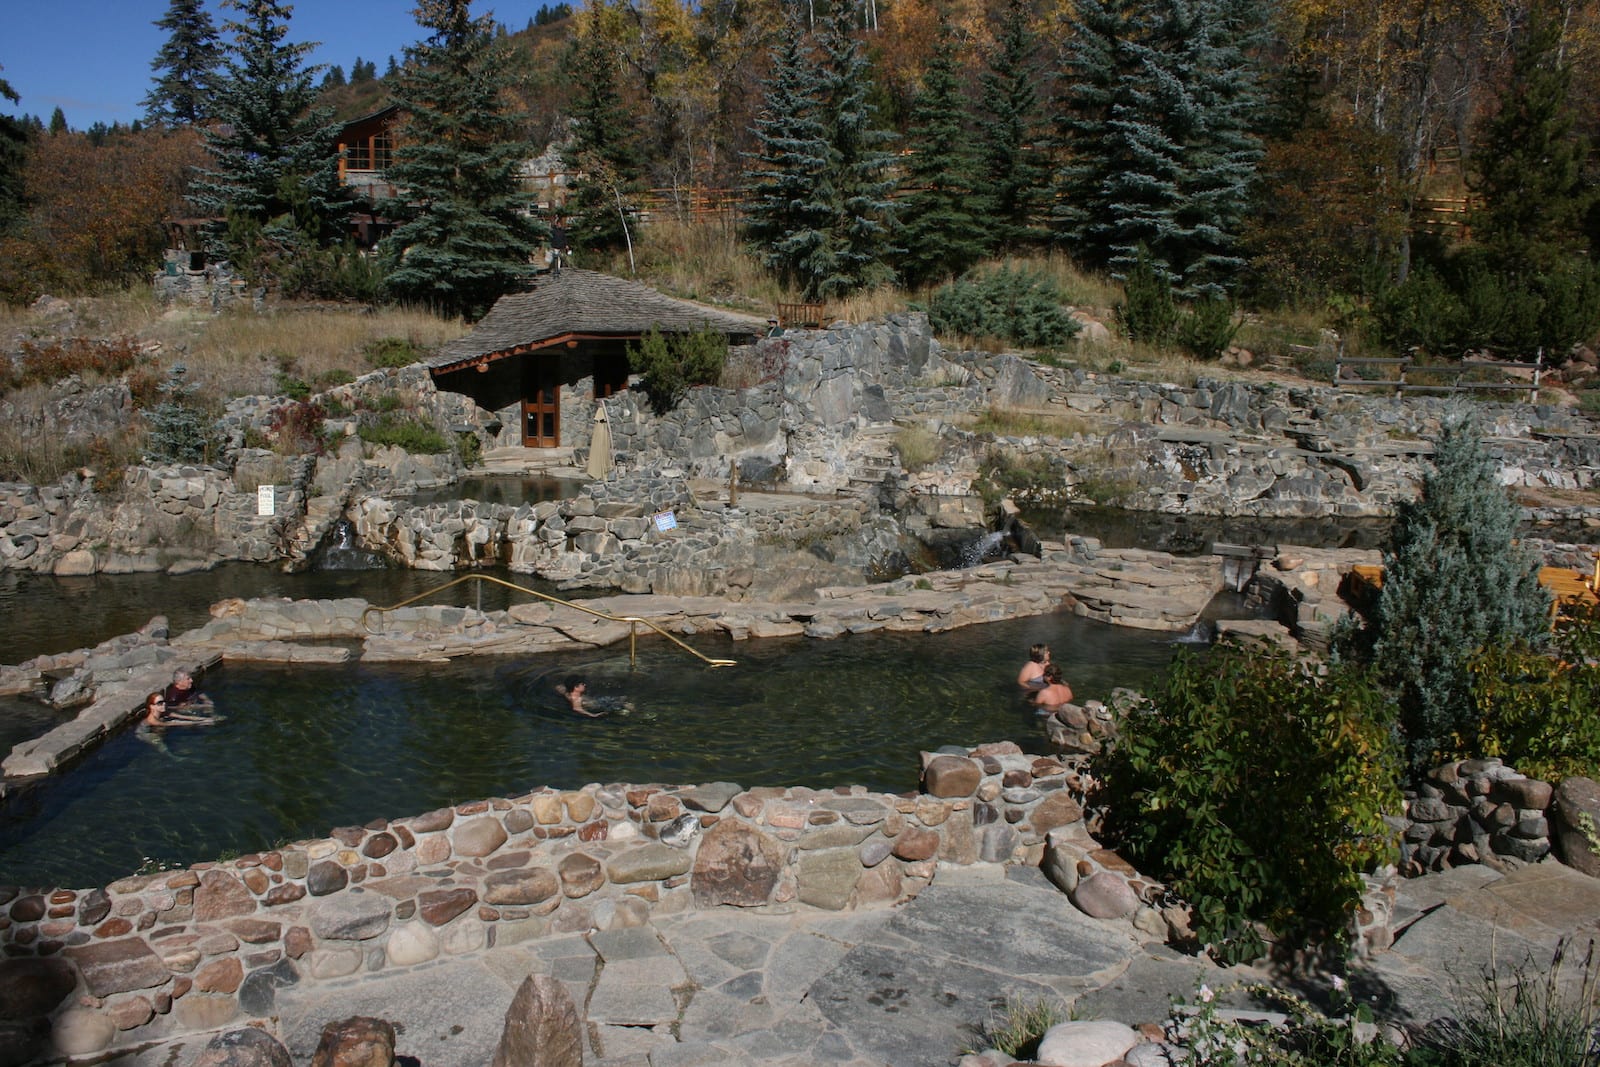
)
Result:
{"points": [[1454, 582], [58, 122], [275, 165], [939, 228], [786, 212], [1528, 167], [467, 235], [1012, 173], [13, 151], [334, 79], [362, 72], [389, 71], [857, 246], [186, 66], [603, 153], [1157, 128]]}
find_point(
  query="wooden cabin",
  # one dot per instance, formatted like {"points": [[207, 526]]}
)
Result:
{"points": [[573, 324]]}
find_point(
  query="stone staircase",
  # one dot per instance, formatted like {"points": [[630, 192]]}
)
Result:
{"points": [[872, 458]]}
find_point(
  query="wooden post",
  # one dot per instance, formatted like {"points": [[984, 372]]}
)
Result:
{"points": [[733, 485]]}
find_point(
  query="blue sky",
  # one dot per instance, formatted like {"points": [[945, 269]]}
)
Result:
{"points": [[91, 58]]}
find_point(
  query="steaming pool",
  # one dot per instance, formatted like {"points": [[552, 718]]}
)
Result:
{"points": [[303, 750]]}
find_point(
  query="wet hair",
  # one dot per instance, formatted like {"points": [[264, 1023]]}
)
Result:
{"points": [[1052, 674], [1038, 652], [573, 681]]}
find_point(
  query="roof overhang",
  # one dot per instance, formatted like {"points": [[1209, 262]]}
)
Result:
{"points": [[560, 340]]}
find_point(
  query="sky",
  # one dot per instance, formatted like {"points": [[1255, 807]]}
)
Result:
{"points": [[91, 58]]}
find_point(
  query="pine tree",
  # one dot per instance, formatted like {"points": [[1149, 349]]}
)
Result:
{"points": [[857, 246], [13, 151], [1013, 175], [1454, 581], [334, 79], [939, 228], [785, 212], [467, 235], [1158, 132], [1528, 167], [275, 166], [362, 72], [58, 122], [603, 153], [190, 59]]}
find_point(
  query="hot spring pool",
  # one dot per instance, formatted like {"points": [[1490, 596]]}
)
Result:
{"points": [[306, 749]]}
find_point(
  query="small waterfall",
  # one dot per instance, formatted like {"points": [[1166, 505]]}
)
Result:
{"points": [[980, 550], [342, 551], [1203, 632]]}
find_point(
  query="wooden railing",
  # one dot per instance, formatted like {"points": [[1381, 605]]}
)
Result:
{"points": [[802, 316], [1434, 375]]}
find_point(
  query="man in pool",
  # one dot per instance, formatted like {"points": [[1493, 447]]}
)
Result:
{"points": [[182, 693], [1032, 674], [1056, 692], [573, 690]]}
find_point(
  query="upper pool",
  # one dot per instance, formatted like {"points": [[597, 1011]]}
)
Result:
{"points": [[304, 750]]}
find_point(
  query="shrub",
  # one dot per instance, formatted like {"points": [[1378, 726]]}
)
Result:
{"points": [[179, 430], [296, 428], [918, 446], [1306, 1038], [1148, 312], [1454, 582], [1020, 306], [45, 363], [391, 352], [411, 434], [671, 365], [1207, 327], [1256, 786], [1539, 712]]}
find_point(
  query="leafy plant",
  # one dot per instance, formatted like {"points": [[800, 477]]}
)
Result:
{"points": [[411, 434], [1307, 1038], [1020, 306], [296, 428], [1207, 327], [1185, 786], [392, 352], [671, 365]]}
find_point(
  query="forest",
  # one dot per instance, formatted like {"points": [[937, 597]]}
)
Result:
{"points": [[1422, 167]]}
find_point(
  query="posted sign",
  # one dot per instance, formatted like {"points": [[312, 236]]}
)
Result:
{"points": [[666, 520], [266, 500]]}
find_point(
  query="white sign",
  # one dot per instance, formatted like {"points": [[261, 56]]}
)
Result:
{"points": [[666, 520], [266, 502]]}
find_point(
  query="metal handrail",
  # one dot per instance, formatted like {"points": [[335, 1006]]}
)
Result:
{"points": [[631, 620]]}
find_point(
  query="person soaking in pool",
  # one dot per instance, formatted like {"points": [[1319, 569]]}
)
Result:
{"points": [[158, 713], [1056, 692], [1032, 673], [574, 691], [182, 693]]}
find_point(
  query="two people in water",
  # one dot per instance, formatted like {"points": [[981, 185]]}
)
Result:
{"points": [[180, 704], [1042, 681]]}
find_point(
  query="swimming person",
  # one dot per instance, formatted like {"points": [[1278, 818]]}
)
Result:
{"points": [[1032, 674], [157, 713], [1056, 691], [182, 693], [574, 689]]}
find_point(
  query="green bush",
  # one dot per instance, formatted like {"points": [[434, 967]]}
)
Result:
{"points": [[1539, 712], [1255, 785], [1307, 1037], [1148, 311], [411, 434], [672, 364], [1021, 307], [179, 430], [391, 352], [1207, 327]]}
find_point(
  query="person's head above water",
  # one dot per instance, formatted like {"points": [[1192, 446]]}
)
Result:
{"points": [[1039, 653], [575, 682]]}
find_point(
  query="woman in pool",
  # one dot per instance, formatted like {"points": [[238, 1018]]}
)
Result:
{"points": [[156, 713], [1032, 673]]}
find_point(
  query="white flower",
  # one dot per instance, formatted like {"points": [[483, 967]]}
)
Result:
{"points": [[1338, 983], [1205, 994]]}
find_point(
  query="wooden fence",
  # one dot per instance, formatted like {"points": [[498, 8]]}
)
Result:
{"points": [[1410, 376]]}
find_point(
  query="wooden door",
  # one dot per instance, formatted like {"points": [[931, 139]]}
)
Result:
{"points": [[541, 406]]}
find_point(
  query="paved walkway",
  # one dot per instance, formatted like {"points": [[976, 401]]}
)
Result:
{"points": [[904, 987]]}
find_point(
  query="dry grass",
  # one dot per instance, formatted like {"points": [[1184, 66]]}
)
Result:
{"points": [[1006, 422]]}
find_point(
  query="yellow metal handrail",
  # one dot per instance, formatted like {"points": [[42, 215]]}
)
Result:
{"points": [[631, 620]]}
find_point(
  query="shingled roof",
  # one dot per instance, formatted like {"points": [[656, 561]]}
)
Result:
{"points": [[582, 304]]}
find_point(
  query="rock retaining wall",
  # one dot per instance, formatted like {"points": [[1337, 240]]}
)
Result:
{"points": [[1474, 811], [174, 951]]}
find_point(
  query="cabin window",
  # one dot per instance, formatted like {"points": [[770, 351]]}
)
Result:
{"points": [[358, 156], [382, 151]]}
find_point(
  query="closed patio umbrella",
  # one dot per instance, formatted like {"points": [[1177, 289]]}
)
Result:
{"points": [[600, 446]]}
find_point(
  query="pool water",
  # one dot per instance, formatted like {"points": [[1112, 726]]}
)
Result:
{"points": [[303, 750]]}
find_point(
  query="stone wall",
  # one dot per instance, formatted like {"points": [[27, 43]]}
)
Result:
{"points": [[174, 951], [1474, 811]]}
